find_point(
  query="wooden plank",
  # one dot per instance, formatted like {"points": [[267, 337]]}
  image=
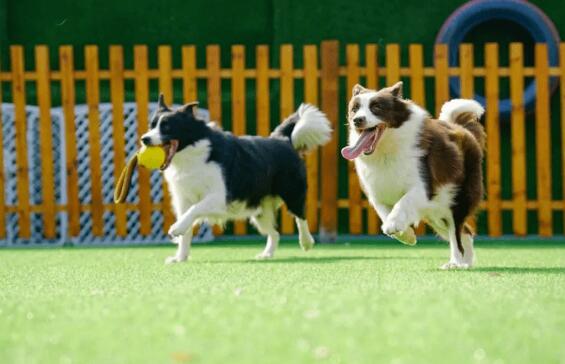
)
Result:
{"points": [[355, 210], [372, 82], [140, 60], [562, 102], [466, 64], [262, 91], [417, 90], [49, 210], [66, 65], [189, 84], [214, 83], [165, 60], [214, 86], [392, 64], [330, 101], [442, 76], [493, 140], [118, 134], [238, 107], [93, 101], [416, 56], [518, 137], [3, 207], [312, 164], [287, 108], [543, 141], [22, 171]]}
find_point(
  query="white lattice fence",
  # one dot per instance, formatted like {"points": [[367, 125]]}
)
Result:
{"points": [[86, 235]]}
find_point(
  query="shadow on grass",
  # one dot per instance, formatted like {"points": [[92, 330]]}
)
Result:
{"points": [[313, 260], [519, 270]]}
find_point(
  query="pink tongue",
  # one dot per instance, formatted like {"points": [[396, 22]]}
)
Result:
{"points": [[363, 143]]}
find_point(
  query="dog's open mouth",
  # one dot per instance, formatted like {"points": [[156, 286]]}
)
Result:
{"points": [[170, 149], [366, 143]]}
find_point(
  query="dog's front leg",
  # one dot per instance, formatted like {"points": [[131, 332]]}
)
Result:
{"points": [[183, 248], [212, 204], [405, 212]]}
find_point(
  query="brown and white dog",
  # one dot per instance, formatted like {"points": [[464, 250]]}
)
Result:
{"points": [[414, 168]]}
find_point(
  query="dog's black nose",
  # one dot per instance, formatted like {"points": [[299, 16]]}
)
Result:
{"points": [[359, 121], [146, 140]]}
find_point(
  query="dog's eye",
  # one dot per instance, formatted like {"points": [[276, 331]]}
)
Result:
{"points": [[165, 127], [376, 108], [354, 108]]}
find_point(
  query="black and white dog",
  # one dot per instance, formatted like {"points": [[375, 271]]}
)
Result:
{"points": [[215, 176]]}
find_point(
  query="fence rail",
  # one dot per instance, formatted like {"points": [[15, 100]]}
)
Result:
{"points": [[319, 80]]}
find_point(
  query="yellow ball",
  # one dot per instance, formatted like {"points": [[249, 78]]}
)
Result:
{"points": [[151, 157]]}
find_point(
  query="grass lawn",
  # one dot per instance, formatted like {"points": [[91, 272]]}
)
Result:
{"points": [[344, 303]]}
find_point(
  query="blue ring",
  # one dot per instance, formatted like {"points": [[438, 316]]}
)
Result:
{"points": [[521, 12]]}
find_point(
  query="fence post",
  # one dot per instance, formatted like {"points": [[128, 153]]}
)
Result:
{"points": [[214, 83], [543, 141], [238, 107], [46, 142], [518, 136], [493, 140], [19, 99], [142, 100], [66, 65], [562, 89], [262, 91], [165, 62], [355, 208], [117, 99], [417, 90], [2, 183], [330, 105], [372, 80], [93, 100], [442, 76], [287, 108], [189, 84], [312, 164]]}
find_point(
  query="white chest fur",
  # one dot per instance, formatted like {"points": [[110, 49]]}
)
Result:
{"points": [[191, 176], [394, 167]]}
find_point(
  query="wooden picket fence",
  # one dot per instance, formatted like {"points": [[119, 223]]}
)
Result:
{"points": [[320, 76]]}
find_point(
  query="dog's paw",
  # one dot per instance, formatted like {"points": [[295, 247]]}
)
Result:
{"points": [[176, 230], [264, 255], [394, 224], [407, 237], [454, 265], [306, 242], [175, 259]]}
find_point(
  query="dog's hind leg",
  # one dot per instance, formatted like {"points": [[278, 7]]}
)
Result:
{"points": [[265, 222], [456, 255], [467, 241], [304, 237]]}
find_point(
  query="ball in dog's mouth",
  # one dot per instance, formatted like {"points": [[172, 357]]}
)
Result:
{"points": [[170, 148], [366, 143]]}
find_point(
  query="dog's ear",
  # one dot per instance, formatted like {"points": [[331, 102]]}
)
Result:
{"points": [[162, 105], [190, 108], [358, 89], [396, 89]]}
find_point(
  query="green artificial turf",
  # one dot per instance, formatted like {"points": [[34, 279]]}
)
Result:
{"points": [[342, 303]]}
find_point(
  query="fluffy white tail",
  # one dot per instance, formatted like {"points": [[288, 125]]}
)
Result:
{"points": [[312, 128], [453, 108]]}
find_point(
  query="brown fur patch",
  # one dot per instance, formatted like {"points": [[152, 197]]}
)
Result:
{"points": [[453, 153]]}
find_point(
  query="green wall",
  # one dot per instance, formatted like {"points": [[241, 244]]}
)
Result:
{"points": [[176, 22]]}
